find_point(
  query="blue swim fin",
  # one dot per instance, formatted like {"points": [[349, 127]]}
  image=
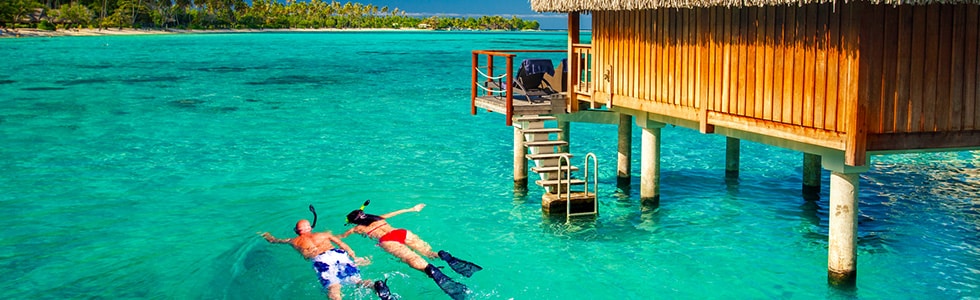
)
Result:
{"points": [[381, 287], [462, 267], [454, 289]]}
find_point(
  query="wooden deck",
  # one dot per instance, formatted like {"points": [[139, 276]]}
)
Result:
{"points": [[549, 105]]}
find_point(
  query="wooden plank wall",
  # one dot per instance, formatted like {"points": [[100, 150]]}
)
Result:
{"points": [[782, 64], [795, 68], [924, 68]]}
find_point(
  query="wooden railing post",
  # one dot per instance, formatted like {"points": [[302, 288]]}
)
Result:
{"points": [[573, 38], [473, 83], [489, 65], [510, 89]]}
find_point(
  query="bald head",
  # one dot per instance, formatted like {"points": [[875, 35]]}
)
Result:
{"points": [[303, 226]]}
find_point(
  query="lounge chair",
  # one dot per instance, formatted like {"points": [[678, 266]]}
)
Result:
{"points": [[529, 82], [559, 80]]}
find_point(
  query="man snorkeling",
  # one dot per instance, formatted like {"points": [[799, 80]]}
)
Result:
{"points": [[404, 244], [333, 266]]}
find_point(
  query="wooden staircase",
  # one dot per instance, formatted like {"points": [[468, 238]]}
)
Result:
{"points": [[553, 167]]}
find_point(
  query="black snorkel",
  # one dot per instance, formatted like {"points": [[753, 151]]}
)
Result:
{"points": [[313, 210]]}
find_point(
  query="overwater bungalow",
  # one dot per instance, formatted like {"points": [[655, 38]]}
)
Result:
{"points": [[838, 81]]}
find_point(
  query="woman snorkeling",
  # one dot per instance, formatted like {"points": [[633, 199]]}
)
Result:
{"points": [[407, 246]]}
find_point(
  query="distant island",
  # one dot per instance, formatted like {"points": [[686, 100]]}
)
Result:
{"points": [[232, 15]]}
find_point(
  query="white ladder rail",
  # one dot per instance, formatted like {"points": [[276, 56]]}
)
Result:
{"points": [[595, 180], [566, 170]]}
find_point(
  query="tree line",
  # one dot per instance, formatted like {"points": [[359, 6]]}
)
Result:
{"points": [[231, 14]]}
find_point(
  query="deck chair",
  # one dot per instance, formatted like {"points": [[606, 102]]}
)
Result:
{"points": [[559, 80], [530, 78], [529, 83]]}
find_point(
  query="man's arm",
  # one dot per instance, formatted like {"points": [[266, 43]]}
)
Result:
{"points": [[343, 245], [359, 261], [268, 237], [416, 208]]}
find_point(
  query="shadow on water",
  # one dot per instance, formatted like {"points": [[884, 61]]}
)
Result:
{"points": [[42, 88], [7, 81], [223, 69], [254, 261], [731, 185], [84, 81], [294, 80], [186, 103], [147, 79]]}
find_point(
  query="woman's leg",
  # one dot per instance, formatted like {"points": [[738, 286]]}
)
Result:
{"points": [[405, 254], [419, 245]]}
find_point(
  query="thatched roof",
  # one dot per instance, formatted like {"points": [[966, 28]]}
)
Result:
{"points": [[599, 5]]}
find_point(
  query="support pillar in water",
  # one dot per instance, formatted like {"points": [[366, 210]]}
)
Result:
{"points": [[842, 249], [625, 146], [843, 210], [520, 161], [811, 176], [650, 163], [732, 146]]}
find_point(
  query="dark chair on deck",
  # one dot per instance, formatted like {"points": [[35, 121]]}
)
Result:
{"points": [[529, 83]]}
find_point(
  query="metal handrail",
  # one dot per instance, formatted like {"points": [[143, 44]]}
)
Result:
{"points": [[595, 180], [568, 184], [567, 167]]}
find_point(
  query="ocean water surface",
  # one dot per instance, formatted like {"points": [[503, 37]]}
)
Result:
{"points": [[144, 166]]}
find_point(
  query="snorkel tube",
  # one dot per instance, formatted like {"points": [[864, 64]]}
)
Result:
{"points": [[313, 210]]}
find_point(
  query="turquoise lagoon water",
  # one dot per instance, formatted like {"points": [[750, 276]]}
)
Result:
{"points": [[144, 166]]}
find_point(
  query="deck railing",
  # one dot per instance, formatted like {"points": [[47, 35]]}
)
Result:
{"points": [[482, 75]]}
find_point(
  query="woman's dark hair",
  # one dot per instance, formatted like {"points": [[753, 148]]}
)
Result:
{"points": [[358, 217]]}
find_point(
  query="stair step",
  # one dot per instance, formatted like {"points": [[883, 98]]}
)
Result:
{"points": [[550, 169], [546, 156], [542, 130], [534, 118], [554, 182], [545, 143]]}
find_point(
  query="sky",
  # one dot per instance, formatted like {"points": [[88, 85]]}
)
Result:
{"points": [[468, 8]]}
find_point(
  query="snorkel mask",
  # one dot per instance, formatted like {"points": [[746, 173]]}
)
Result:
{"points": [[358, 216]]}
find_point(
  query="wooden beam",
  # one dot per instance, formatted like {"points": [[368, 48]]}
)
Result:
{"points": [[782, 131], [858, 77], [924, 140]]}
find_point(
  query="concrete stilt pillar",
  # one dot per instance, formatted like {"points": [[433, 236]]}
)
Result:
{"points": [[650, 170], [625, 146], [843, 210], [520, 161], [811, 176], [564, 126], [732, 146], [842, 249]]}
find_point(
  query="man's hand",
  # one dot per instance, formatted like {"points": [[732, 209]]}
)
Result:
{"points": [[418, 207], [362, 261], [269, 238]]}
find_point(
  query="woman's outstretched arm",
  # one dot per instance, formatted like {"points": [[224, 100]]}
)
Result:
{"points": [[416, 208]]}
